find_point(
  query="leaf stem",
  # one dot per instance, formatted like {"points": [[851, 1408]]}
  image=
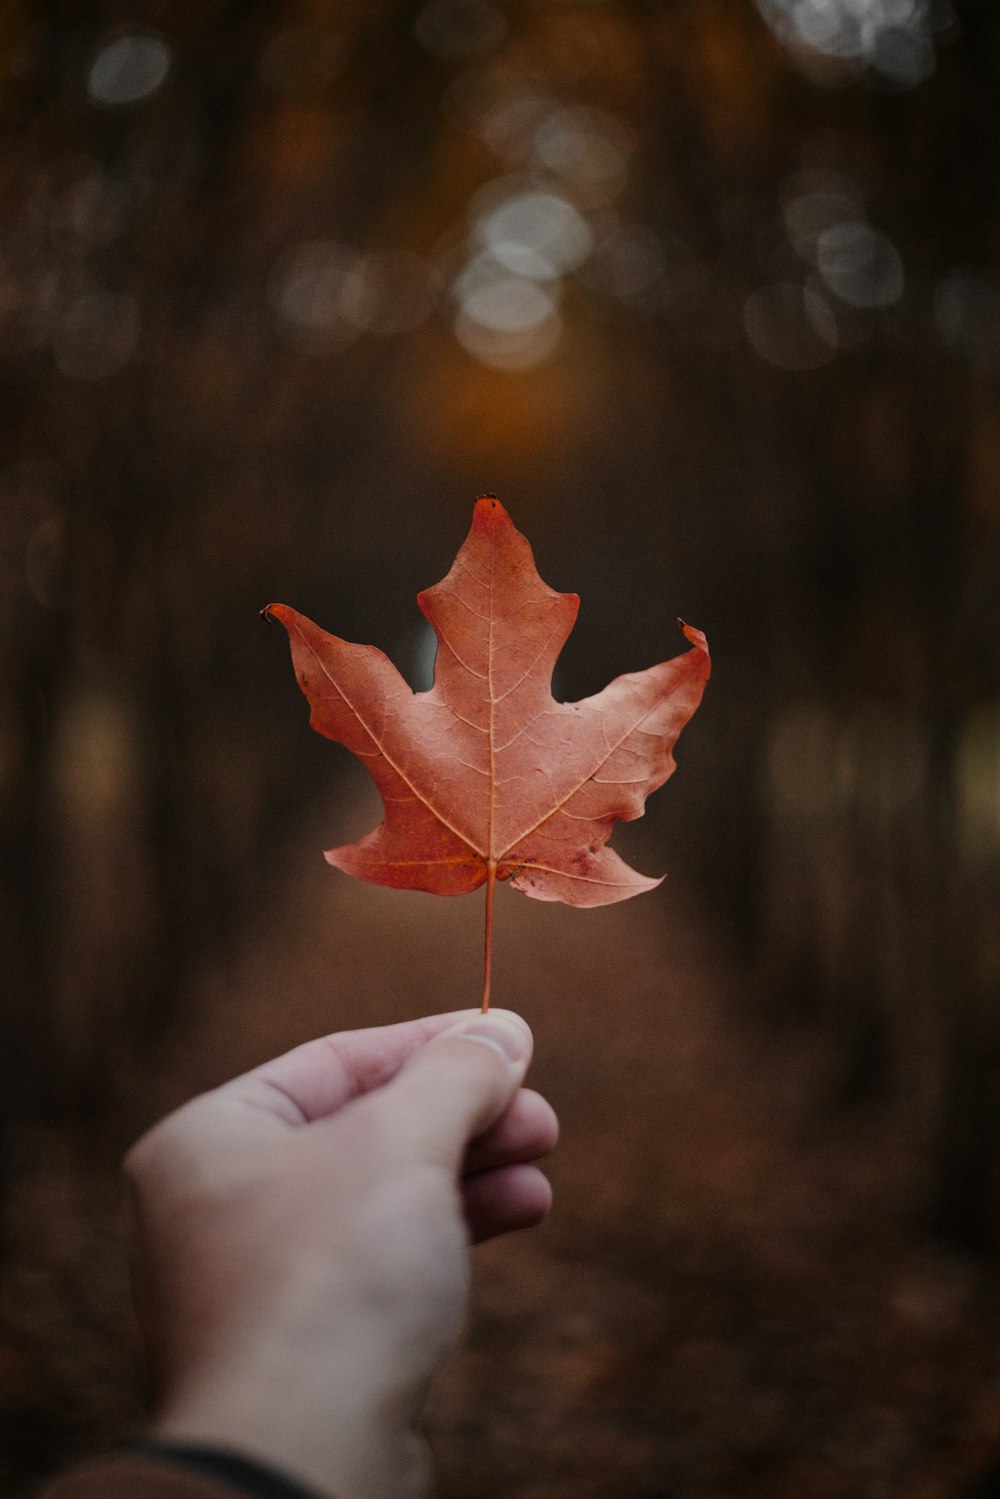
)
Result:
{"points": [[491, 885]]}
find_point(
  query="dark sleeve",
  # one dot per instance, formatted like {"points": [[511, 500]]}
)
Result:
{"points": [[168, 1470]]}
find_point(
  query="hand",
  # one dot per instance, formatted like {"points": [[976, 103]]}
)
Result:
{"points": [[301, 1241]]}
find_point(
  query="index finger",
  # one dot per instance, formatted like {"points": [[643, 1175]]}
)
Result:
{"points": [[316, 1079]]}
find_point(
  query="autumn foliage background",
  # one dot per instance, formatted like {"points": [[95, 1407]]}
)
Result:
{"points": [[707, 292]]}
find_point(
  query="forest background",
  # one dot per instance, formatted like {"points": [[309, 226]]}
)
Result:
{"points": [[707, 291]]}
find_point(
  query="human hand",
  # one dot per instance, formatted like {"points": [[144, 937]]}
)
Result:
{"points": [[301, 1241]]}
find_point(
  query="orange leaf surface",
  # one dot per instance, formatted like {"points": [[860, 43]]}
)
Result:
{"points": [[486, 777]]}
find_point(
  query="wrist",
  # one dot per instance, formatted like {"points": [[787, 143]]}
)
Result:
{"points": [[324, 1431]]}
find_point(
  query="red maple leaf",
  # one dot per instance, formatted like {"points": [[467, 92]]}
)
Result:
{"points": [[486, 777]]}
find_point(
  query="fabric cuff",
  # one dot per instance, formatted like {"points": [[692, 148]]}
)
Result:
{"points": [[243, 1473]]}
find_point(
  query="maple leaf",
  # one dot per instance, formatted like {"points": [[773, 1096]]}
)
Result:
{"points": [[486, 777]]}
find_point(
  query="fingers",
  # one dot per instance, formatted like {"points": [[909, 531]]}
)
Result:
{"points": [[315, 1080], [498, 1202], [527, 1130], [455, 1086], [501, 1191]]}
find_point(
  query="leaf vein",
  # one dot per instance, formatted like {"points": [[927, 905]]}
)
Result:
{"points": [[424, 801]]}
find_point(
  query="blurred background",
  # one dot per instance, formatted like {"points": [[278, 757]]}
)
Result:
{"points": [[707, 291]]}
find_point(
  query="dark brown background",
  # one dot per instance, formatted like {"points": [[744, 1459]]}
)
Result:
{"points": [[241, 361]]}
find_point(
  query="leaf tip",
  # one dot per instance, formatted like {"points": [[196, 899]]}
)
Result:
{"points": [[694, 636], [489, 514], [280, 614]]}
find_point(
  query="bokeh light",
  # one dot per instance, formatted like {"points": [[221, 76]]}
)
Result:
{"points": [[860, 265], [815, 203], [322, 295], [507, 322], [893, 38], [586, 148], [532, 233], [128, 69]]}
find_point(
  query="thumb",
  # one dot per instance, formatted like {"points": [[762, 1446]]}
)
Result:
{"points": [[456, 1085]]}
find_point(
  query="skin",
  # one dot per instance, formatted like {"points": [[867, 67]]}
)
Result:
{"points": [[301, 1241]]}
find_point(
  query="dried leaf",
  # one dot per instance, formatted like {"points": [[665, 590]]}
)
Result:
{"points": [[486, 777]]}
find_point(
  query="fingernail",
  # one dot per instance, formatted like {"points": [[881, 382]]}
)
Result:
{"points": [[509, 1040]]}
